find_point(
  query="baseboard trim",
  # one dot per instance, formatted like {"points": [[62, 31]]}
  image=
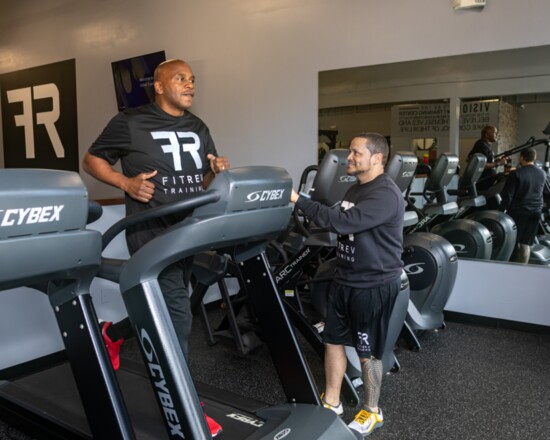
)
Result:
{"points": [[496, 322]]}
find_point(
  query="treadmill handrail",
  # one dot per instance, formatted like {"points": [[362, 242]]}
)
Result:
{"points": [[179, 207]]}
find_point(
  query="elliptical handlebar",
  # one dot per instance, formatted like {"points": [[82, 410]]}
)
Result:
{"points": [[472, 173], [531, 142], [305, 175], [440, 176], [329, 185], [302, 186]]}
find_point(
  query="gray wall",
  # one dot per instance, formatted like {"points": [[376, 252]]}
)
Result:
{"points": [[256, 60]]}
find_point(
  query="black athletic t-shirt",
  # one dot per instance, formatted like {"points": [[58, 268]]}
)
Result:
{"points": [[484, 148], [369, 222], [145, 139], [523, 190]]}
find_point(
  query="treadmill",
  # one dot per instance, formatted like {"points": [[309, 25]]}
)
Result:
{"points": [[74, 393]]}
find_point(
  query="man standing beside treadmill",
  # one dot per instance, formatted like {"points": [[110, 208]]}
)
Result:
{"points": [[367, 278]]}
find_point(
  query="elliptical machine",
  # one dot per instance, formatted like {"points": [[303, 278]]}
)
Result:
{"points": [[431, 261], [470, 239], [329, 186], [501, 226]]}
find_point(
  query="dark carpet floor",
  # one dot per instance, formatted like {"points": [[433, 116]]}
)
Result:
{"points": [[467, 382]]}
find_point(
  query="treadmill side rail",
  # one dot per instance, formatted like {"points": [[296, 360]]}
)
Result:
{"points": [[278, 332], [165, 363], [99, 390]]}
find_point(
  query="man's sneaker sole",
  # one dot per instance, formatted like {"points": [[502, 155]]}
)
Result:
{"points": [[361, 423]]}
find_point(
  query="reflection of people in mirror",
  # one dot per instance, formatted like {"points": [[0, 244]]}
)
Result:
{"points": [[489, 135], [522, 199]]}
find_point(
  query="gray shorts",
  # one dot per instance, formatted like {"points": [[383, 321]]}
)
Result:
{"points": [[360, 317]]}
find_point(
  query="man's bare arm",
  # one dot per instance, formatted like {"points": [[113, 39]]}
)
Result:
{"points": [[138, 187]]}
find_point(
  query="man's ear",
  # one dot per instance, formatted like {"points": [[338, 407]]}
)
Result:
{"points": [[158, 87]]}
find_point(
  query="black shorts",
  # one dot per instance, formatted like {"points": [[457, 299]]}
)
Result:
{"points": [[360, 317], [527, 225]]}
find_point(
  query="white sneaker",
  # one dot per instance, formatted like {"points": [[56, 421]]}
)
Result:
{"points": [[365, 422], [339, 410]]}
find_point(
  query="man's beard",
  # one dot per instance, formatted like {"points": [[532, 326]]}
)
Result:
{"points": [[355, 172]]}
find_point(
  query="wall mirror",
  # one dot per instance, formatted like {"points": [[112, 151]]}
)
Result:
{"points": [[439, 105]]}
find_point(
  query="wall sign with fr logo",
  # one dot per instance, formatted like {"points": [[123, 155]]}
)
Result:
{"points": [[39, 117]]}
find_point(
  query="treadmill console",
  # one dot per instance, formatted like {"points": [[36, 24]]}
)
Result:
{"points": [[248, 188], [36, 202]]}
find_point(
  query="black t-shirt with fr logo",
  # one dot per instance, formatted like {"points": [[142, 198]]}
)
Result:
{"points": [[145, 139]]}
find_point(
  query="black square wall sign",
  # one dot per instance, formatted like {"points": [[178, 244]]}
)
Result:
{"points": [[134, 82], [39, 117]]}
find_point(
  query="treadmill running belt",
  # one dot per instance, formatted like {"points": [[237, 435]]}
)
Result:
{"points": [[52, 395]]}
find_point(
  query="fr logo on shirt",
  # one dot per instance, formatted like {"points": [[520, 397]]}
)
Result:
{"points": [[173, 146]]}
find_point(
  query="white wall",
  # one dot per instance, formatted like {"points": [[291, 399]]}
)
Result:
{"points": [[496, 290], [256, 60], [534, 118]]}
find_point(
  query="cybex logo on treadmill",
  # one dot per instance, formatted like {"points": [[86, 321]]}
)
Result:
{"points": [[282, 434], [28, 216], [407, 174], [451, 171], [157, 376], [347, 179], [268, 194], [414, 269]]}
